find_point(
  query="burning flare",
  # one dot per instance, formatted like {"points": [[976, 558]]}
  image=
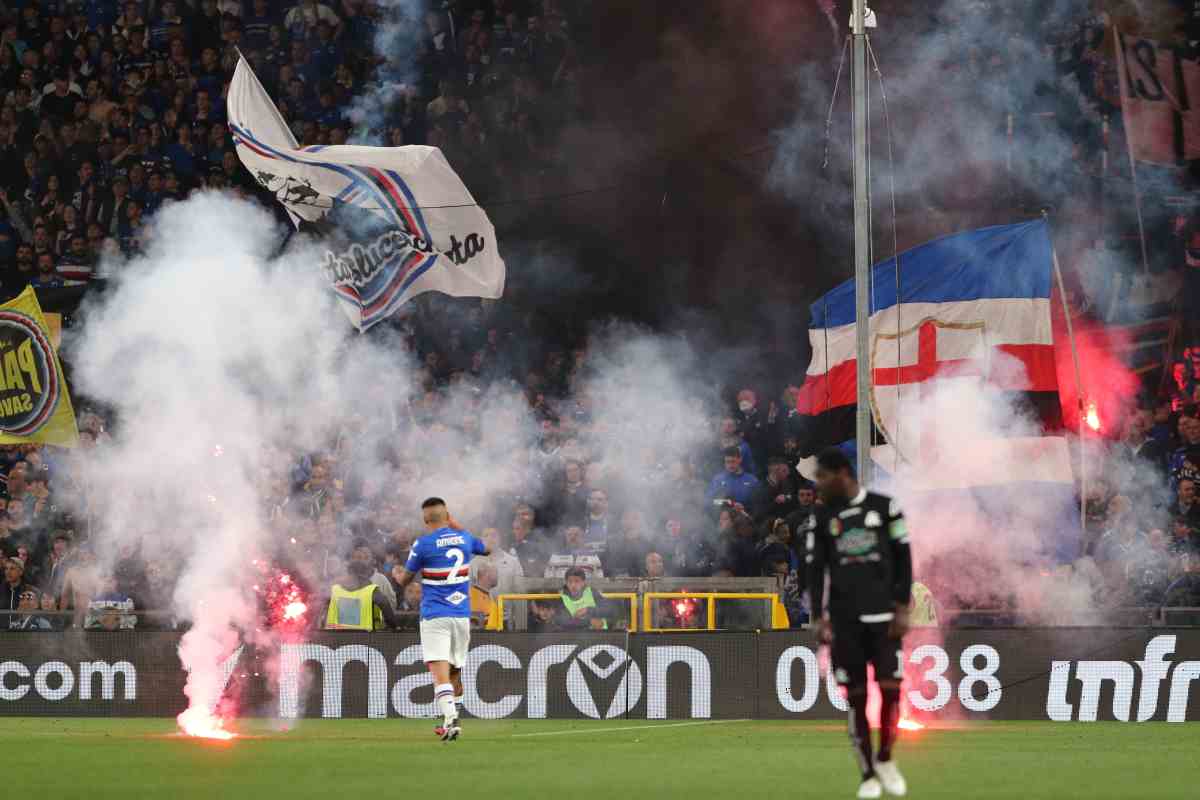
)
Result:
{"points": [[910, 725], [1092, 417], [203, 725]]}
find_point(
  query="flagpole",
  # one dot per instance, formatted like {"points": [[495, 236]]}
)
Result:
{"points": [[862, 233], [1062, 296], [1122, 76]]}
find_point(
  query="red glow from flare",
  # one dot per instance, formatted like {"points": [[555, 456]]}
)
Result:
{"points": [[910, 725], [1092, 417], [199, 723], [285, 604]]}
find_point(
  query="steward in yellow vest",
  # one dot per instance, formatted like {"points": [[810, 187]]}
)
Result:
{"points": [[584, 606], [922, 609], [354, 604]]}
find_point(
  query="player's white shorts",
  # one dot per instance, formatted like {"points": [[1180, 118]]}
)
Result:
{"points": [[446, 639]]}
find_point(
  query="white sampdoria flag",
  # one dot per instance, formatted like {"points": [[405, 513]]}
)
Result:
{"points": [[400, 220]]}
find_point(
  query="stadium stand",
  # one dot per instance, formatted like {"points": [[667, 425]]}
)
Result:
{"points": [[111, 111]]}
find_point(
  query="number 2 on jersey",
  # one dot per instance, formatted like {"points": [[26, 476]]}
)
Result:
{"points": [[458, 557]]}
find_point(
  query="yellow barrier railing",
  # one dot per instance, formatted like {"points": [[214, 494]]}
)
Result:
{"points": [[496, 620], [779, 617]]}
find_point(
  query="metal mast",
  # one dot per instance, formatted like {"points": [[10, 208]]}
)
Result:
{"points": [[862, 235]]}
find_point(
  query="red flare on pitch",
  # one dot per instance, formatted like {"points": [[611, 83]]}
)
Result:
{"points": [[294, 610], [910, 725], [199, 723], [1092, 417]]}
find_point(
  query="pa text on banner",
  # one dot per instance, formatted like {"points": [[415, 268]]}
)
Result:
{"points": [[394, 221], [35, 405]]}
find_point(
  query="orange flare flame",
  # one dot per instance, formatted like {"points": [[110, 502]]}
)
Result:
{"points": [[1092, 417], [910, 725], [199, 723]]}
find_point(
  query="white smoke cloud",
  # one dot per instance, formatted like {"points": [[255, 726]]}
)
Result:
{"points": [[224, 365]]}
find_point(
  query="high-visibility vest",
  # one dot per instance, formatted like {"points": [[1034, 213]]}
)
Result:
{"points": [[352, 610], [586, 600], [924, 612]]}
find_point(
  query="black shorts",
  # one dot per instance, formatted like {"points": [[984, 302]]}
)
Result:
{"points": [[855, 644]]}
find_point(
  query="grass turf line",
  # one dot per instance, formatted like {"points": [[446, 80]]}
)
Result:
{"points": [[142, 758]]}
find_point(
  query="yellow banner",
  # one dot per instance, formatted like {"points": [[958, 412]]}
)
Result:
{"points": [[34, 403], [53, 327]]}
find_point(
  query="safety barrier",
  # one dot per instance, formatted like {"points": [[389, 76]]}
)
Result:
{"points": [[779, 617], [496, 620]]}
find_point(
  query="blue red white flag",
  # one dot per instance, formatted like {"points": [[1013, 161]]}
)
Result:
{"points": [[971, 313], [398, 220]]}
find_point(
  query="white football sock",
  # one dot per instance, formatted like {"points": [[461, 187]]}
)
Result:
{"points": [[443, 695]]}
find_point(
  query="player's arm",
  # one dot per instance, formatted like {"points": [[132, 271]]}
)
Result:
{"points": [[404, 575], [401, 576], [479, 548], [385, 608], [902, 572]]}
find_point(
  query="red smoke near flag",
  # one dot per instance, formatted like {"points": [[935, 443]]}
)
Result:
{"points": [[1110, 386]]}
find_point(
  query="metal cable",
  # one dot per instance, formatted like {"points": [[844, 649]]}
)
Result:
{"points": [[887, 124]]}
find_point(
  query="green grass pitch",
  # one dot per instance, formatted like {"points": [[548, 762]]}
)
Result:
{"points": [[127, 759]]}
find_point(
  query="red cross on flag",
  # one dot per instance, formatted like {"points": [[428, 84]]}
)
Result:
{"points": [[970, 317]]}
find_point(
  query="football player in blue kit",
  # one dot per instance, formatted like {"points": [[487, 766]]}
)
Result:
{"points": [[442, 559]]}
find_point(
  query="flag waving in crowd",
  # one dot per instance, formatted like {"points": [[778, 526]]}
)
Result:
{"points": [[396, 221], [971, 307], [35, 405]]}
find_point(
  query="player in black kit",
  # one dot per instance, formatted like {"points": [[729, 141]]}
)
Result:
{"points": [[859, 538]]}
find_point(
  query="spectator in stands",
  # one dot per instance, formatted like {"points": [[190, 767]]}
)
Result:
{"points": [[14, 584], [655, 567], [529, 553], [573, 553], [1138, 443], [570, 503], [507, 566], [1184, 591], [732, 486], [30, 602], [739, 552], [111, 608], [1121, 535], [54, 567], [728, 437], [361, 551], [752, 426], [1185, 460], [483, 583], [778, 495], [688, 554], [596, 527], [1148, 571], [80, 584], [47, 276], [1186, 508], [626, 553]]}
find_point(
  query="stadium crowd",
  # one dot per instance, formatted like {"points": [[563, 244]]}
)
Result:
{"points": [[110, 110]]}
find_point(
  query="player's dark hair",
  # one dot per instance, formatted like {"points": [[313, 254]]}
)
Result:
{"points": [[731, 452], [431, 502], [359, 543], [832, 459]]}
